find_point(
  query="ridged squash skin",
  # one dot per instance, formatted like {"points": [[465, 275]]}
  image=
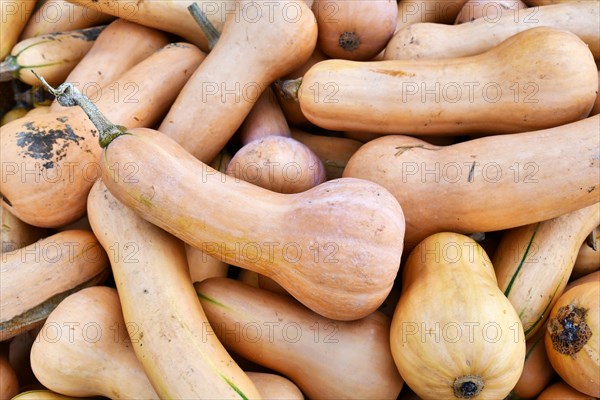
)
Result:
{"points": [[454, 334]]}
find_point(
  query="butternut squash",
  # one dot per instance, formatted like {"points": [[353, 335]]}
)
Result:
{"points": [[9, 385], [277, 163], [355, 30], [454, 335], [279, 333], [588, 257], [572, 338], [334, 152], [265, 119], [14, 15], [16, 112], [321, 265], [537, 371], [516, 86], [533, 263], [415, 11], [158, 300], [44, 395], [84, 349], [50, 162], [468, 178], [53, 55], [562, 391], [537, 3], [117, 49], [16, 233], [60, 16], [274, 387], [248, 57], [593, 277], [596, 108], [489, 9], [173, 16], [36, 278], [438, 41], [38, 111]]}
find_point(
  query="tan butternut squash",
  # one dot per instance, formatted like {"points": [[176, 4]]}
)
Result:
{"points": [[16, 233], [273, 387], [537, 371], [60, 16], [15, 15], [593, 277], [489, 9], [9, 384], [84, 349], [53, 55], [533, 263], [118, 48], [277, 163], [279, 333], [516, 86], [36, 278], [51, 161], [265, 119], [355, 30], [572, 338], [334, 152], [415, 11], [248, 57], [588, 257], [468, 178], [432, 41], [321, 265], [173, 16], [562, 391], [537, 3], [454, 335], [158, 299], [44, 395], [596, 108]]}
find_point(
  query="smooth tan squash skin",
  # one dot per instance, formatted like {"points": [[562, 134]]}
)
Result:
{"points": [[168, 16], [15, 15], [334, 152], [53, 55], [274, 387], [537, 371], [118, 48], [579, 367], [533, 263], [562, 391], [448, 280], [336, 247], [438, 41], [59, 16], [16, 233], [157, 296], [355, 30], [277, 163], [84, 349], [490, 9], [9, 384], [248, 57], [327, 359], [516, 86], [415, 11], [55, 194], [436, 201], [265, 119], [592, 277], [44, 395], [37, 277]]}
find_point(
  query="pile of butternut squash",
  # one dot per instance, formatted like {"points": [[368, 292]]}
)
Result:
{"points": [[320, 199]]}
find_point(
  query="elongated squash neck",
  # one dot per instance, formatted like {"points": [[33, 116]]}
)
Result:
{"points": [[68, 96]]}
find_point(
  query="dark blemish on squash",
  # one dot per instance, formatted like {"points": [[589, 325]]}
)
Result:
{"points": [[393, 73], [468, 386], [591, 189], [6, 200], [62, 119], [40, 144], [471, 172], [569, 331], [183, 46], [403, 149], [89, 34], [349, 41], [145, 291]]}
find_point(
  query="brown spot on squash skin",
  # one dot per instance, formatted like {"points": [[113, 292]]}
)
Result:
{"points": [[569, 331], [49, 145], [349, 41], [393, 73]]}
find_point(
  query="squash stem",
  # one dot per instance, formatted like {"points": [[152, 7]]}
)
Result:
{"points": [[8, 68], [69, 96], [289, 88], [212, 34]]}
